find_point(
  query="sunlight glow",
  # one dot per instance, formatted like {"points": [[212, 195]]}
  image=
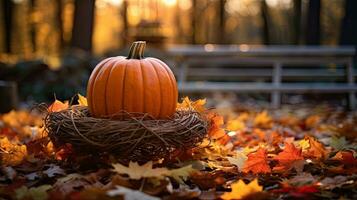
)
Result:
{"points": [[169, 2], [209, 47], [232, 133]]}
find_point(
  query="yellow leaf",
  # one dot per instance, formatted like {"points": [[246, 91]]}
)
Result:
{"points": [[240, 189], [304, 144], [82, 100], [263, 120], [12, 154], [235, 125], [198, 105]]}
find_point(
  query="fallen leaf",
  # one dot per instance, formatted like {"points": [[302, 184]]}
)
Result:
{"points": [[181, 173], [338, 143], [240, 189], [312, 121], [57, 106], [136, 171], [238, 160], [198, 105], [129, 194], [263, 120], [82, 101], [257, 162], [11, 153], [54, 170], [36, 193], [289, 158], [315, 148]]}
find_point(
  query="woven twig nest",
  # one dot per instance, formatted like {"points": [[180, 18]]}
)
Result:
{"points": [[139, 137]]}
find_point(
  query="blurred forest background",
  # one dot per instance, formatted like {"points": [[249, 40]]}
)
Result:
{"points": [[51, 46]]}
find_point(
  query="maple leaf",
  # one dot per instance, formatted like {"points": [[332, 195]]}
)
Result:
{"points": [[82, 101], [181, 173], [257, 162], [263, 120], [130, 194], [240, 189], [346, 157], [57, 106], [291, 157], [237, 124], [216, 130], [313, 148], [198, 105], [11, 153], [136, 171]]}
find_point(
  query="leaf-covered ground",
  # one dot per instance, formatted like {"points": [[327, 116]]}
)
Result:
{"points": [[291, 153]]}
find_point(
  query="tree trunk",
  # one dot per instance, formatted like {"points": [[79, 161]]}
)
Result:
{"points": [[124, 13], [265, 17], [83, 24], [59, 24], [193, 21], [222, 22], [313, 23], [348, 34], [297, 22], [8, 21], [32, 25]]}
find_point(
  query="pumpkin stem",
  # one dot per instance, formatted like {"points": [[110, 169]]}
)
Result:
{"points": [[137, 50]]}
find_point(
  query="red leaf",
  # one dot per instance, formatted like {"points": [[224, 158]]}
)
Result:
{"points": [[257, 162], [289, 158]]}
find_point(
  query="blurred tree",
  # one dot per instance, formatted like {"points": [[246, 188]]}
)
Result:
{"points": [[59, 23], [313, 23], [297, 21], [8, 22], [193, 21], [222, 22], [124, 13], [348, 34], [265, 19], [83, 24], [32, 25]]}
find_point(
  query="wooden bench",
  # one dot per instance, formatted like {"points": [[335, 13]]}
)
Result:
{"points": [[273, 69]]}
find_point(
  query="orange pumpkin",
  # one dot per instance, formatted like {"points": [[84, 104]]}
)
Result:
{"points": [[132, 84]]}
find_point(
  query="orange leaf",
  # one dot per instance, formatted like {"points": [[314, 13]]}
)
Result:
{"points": [[263, 120], [290, 158], [58, 106], [198, 105], [316, 149], [346, 158], [216, 131], [257, 162]]}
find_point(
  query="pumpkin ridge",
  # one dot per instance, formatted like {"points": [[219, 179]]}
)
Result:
{"points": [[158, 78], [99, 75], [92, 81], [142, 86], [123, 85], [151, 92], [107, 105], [172, 84]]}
